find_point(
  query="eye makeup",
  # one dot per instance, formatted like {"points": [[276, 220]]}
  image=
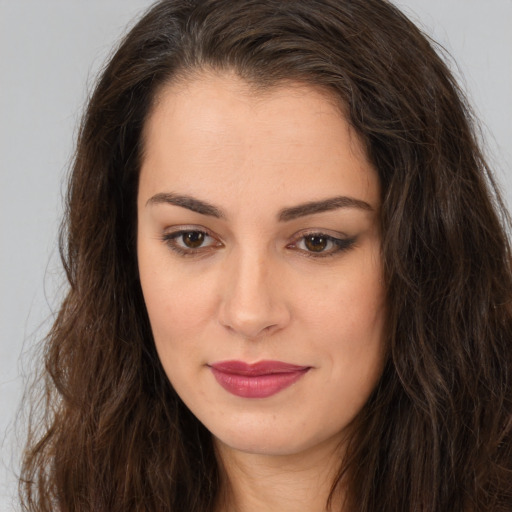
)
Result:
{"points": [[189, 241], [318, 244]]}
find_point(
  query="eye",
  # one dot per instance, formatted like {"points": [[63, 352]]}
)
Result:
{"points": [[321, 244], [316, 243], [190, 241], [193, 239]]}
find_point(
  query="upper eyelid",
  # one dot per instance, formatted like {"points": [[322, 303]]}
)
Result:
{"points": [[336, 235], [178, 230]]}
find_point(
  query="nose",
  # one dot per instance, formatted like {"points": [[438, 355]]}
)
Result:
{"points": [[253, 303]]}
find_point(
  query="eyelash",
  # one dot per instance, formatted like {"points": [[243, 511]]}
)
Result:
{"points": [[338, 245], [171, 240]]}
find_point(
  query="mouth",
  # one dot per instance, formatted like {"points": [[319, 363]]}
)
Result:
{"points": [[258, 380]]}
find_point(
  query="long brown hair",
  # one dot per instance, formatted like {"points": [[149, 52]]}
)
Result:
{"points": [[436, 434]]}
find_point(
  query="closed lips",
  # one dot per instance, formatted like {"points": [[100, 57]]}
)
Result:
{"points": [[258, 380]]}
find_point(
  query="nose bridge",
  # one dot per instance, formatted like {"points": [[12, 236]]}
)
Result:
{"points": [[252, 304]]}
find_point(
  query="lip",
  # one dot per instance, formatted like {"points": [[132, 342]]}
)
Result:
{"points": [[258, 380]]}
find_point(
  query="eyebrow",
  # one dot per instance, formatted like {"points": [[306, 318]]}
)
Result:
{"points": [[188, 202], [285, 215], [324, 205]]}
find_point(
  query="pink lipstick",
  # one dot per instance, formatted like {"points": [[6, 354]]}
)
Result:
{"points": [[258, 380]]}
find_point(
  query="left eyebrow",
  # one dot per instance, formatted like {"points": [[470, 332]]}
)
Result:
{"points": [[325, 205]]}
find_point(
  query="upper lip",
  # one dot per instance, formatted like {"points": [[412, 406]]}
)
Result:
{"points": [[255, 369]]}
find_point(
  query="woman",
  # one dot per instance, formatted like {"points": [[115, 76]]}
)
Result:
{"points": [[289, 282]]}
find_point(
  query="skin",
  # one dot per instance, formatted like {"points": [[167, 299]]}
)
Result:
{"points": [[253, 289]]}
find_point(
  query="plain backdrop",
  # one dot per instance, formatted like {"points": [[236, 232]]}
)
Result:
{"points": [[50, 53]]}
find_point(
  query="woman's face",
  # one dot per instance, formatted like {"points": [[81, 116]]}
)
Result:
{"points": [[259, 259]]}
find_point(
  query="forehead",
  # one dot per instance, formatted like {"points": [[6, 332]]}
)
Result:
{"points": [[216, 133]]}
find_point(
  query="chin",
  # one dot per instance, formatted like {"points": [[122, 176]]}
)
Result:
{"points": [[271, 440]]}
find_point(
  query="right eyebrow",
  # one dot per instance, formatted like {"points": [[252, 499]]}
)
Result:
{"points": [[188, 202]]}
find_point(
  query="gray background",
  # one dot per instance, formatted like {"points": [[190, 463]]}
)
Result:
{"points": [[50, 52]]}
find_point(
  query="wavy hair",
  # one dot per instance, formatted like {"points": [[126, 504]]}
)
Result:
{"points": [[436, 434]]}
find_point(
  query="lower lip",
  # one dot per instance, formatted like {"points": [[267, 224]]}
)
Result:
{"points": [[257, 386]]}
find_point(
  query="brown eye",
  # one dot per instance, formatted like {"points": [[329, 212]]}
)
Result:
{"points": [[193, 242], [316, 243], [193, 239], [322, 245]]}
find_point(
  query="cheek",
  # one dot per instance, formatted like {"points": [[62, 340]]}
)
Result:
{"points": [[180, 307], [176, 307], [167, 292], [349, 324], [174, 323], [349, 305]]}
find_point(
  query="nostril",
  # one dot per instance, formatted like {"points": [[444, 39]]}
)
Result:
{"points": [[251, 303], [254, 324]]}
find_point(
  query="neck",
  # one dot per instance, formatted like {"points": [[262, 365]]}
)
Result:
{"points": [[283, 483]]}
